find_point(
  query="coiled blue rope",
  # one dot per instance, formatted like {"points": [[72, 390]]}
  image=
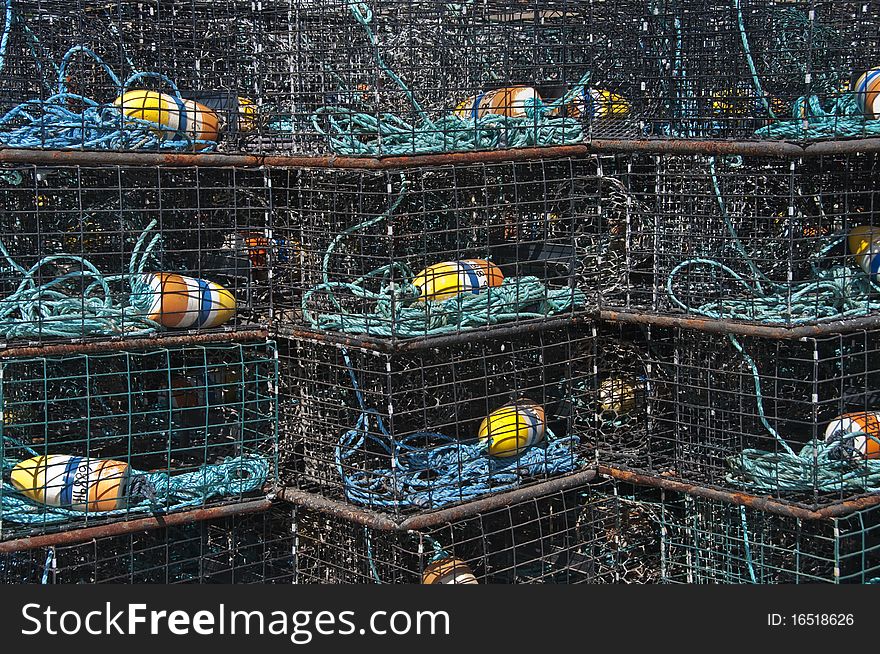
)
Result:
{"points": [[430, 477], [61, 307], [55, 123], [156, 492], [834, 294], [359, 134], [399, 313]]}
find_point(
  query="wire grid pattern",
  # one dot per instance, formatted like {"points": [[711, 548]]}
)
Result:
{"points": [[192, 411], [422, 404], [241, 549]]}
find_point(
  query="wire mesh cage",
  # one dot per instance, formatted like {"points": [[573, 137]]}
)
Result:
{"points": [[438, 250], [240, 549], [714, 542], [416, 431], [565, 536], [771, 241], [108, 251], [765, 69], [149, 75], [89, 438], [793, 419]]}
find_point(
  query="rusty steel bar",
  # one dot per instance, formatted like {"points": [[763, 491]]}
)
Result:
{"points": [[720, 326], [124, 527], [349, 512], [766, 504], [779, 149], [382, 522], [470, 335], [125, 344]]}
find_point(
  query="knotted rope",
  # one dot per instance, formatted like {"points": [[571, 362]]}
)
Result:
{"points": [[155, 492], [443, 473], [399, 312], [359, 134], [57, 308]]}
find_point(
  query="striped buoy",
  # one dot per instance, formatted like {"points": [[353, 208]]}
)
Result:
{"points": [[448, 571], [510, 102], [510, 430], [185, 302], [867, 90], [596, 103], [864, 244], [247, 115], [450, 278], [854, 430], [180, 118], [73, 482]]}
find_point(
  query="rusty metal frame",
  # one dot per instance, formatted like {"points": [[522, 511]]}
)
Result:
{"points": [[761, 503], [118, 344], [784, 149], [123, 527], [428, 520]]}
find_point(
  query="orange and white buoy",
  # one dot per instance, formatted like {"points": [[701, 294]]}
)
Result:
{"points": [[448, 571], [867, 90], [509, 102], [73, 482], [860, 426], [180, 302]]}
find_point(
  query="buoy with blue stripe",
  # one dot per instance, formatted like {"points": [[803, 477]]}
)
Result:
{"points": [[867, 90], [175, 118], [594, 104], [73, 482], [510, 102], [513, 428], [450, 278], [864, 244], [448, 570], [180, 302], [857, 432]]}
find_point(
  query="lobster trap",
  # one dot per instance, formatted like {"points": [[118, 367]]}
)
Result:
{"points": [[439, 250], [240, 549], [759, 69], [106, 436], [97, 252], [771, 241], [420, 430], [792, 419], [568, 535]]}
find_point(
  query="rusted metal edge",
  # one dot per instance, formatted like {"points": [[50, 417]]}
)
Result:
{"points": [[393, 345], [782, 149], [383, 522], [761, 503], [123, 527], [720, 326], [126, 344]]}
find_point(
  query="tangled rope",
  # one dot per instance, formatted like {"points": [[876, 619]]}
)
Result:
{"points": [[359, 134], [443, 473], [834, 294], [49, 309], [156, 492], [398, 314], [831, 465], [71, 120]]}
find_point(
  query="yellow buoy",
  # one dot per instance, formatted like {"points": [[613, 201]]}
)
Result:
{"points": [[448, 571], [73, 482], [595, 104], [247, 115], [174, 117], [185, 302], [513, 428], [450, 278], [617, 395], [509, 102], [867, 90], [864, 244], [858, 426]]}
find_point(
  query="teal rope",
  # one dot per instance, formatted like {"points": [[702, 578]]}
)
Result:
{"points": [[359, 134], [157, 492], [398, 313], [748, 547], [48, 309], [820, 465], [833, 294]]}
